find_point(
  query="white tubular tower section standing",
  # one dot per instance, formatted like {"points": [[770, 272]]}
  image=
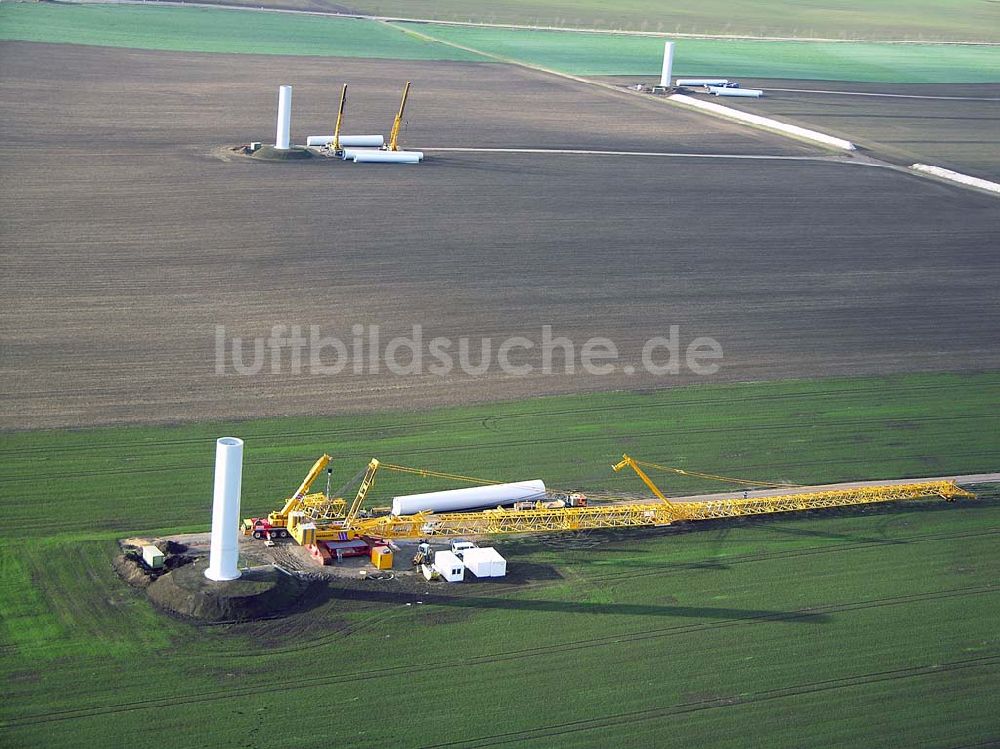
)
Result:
{"points": [[224, 554], [668, 64], [282, 136]]}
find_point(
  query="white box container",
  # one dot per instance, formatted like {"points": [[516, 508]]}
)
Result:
{"points": [[152, 556], [449, 566], [485, 562]]}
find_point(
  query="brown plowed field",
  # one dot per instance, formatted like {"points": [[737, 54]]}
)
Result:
{"points": [[127, 239]]}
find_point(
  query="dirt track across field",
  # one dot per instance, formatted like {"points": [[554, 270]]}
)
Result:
{"points": [[947, 125], [128, 239]]}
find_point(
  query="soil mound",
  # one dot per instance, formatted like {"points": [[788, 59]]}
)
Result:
{"points": [[270, 153], [260, 592]]}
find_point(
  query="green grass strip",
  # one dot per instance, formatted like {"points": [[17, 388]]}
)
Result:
{"points": [[128, 479], [922, 20], [616, 54], [213, 30]]}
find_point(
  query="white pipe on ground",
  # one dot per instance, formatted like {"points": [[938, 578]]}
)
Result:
{"points": [[702, 81], [753, 93], [388, 157], [668, 63], [282, 135], [347, 154], [224, 553], [356, 141], [473, 498]]}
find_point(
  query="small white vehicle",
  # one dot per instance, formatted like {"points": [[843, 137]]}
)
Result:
{"points": [[458, 546]]}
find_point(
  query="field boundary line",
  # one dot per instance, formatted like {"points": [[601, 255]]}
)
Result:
{"points": [[884, 94], [665, 154], [670, 100], [766, 123], [528, 27], [793, 132]]}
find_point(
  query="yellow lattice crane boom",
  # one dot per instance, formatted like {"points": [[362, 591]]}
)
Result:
{"points": [[634, 465], [339, 522], [359, 499], [635, 515]]}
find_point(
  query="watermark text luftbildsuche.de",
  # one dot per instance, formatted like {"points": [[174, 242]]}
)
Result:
{"points": [[312, 351]]}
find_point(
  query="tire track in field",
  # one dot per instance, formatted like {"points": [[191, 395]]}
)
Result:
{"points": [[793, 553], [306, 682], [302, 645], [639, 716], [353, 431]]}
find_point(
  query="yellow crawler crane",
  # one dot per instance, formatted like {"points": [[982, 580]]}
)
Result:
{"points": [[625, 514]]}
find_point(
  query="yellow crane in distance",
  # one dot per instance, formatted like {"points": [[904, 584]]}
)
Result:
{"points": [[335, 144], [397, 123]]}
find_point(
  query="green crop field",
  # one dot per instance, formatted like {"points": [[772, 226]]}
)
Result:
{"points": [[616, 54], [211, 30], [790, 631], [930, 20]]}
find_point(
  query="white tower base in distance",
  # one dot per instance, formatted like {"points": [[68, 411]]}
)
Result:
{"points": [[668, 64], [224, 554], [282, 136]]}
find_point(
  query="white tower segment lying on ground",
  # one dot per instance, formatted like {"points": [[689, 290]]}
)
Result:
{"points": [[473, 498], [282, 136], [224, 554], [668, 64], [354, 141]]}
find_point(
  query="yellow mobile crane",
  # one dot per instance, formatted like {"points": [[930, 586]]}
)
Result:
{"points": [[617, 514], [335, 143], [276, 523], [396, 123]]}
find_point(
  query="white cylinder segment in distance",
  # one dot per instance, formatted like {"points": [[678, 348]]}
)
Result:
{"points": [[668, 63]]}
